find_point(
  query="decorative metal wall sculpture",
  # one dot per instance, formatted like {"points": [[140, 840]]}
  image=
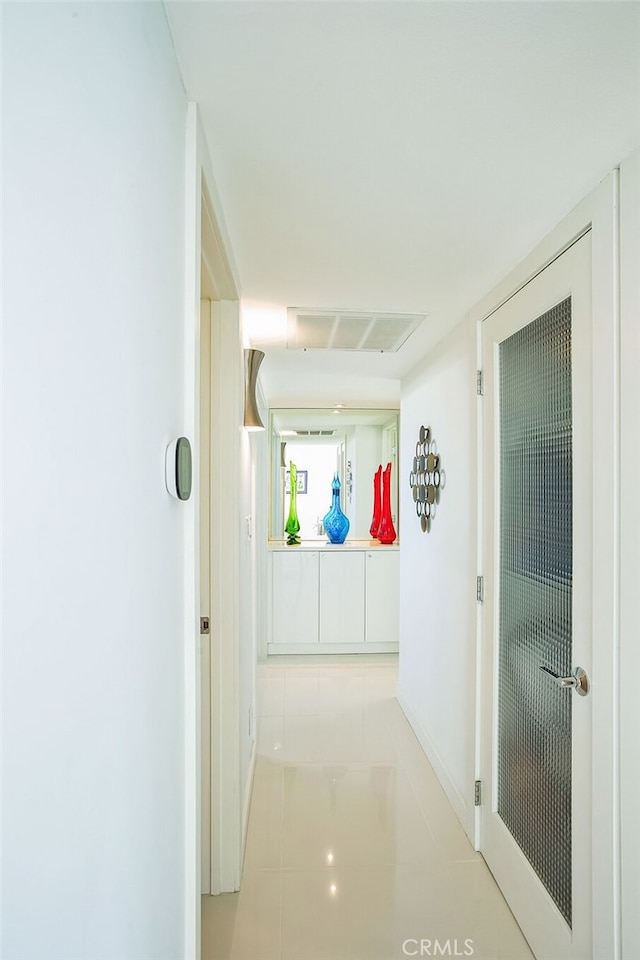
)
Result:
{"points": [[427, 478]]}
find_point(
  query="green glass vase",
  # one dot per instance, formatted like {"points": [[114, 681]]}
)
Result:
{"points": [[292, 526]]}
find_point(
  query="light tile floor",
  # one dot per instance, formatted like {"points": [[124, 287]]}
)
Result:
{"points": [[353, 851]]}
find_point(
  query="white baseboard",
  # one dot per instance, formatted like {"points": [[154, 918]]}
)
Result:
{"points": [[461, 809], [289, 649]]}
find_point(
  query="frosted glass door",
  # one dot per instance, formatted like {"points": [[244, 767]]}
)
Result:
{"points": [[534, 626], [536, 809]]}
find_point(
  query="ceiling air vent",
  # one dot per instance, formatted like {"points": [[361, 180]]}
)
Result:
{"points": [[345, 330], [314, 433]]}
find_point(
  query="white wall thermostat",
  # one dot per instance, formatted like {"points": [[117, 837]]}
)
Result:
{"points": [[179, 469]]}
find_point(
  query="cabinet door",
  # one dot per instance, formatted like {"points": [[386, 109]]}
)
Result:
{"points": [[382, 591], [342, 597], [295, 596]]}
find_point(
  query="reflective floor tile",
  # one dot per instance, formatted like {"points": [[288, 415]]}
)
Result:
{"points": [[353, 849]]}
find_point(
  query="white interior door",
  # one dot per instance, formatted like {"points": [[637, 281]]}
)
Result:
{"points": [[537, 557]]}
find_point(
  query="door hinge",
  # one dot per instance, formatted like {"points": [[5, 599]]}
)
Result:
{"points": [[480, 589], [204, 624], [479, 383], [478, 793]]}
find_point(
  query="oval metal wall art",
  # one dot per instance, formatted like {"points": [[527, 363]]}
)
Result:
{"points": [[426, 478]]}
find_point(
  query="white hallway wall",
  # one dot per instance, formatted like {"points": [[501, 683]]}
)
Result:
{"points": [[93, 386], [437, 569]]}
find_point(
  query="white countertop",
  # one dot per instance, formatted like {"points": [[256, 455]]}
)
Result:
{"points": [[323, 544]]}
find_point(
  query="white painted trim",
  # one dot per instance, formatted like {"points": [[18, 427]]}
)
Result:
{"points": [[265, 641], [605, 612], [227, 372], [204, 505], [599, 212], [192, 915], [616, 572], [477, 775], [455, 798], [246, 804], [227, 279], [578, 223], [215, 561], [215, 266], [226, 865], [536, 271], [630, 554], [261, 529]]}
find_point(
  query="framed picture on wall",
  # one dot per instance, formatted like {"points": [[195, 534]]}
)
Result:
{"points": [[301, 484]]}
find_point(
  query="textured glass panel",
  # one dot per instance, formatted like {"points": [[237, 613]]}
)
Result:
{"points": [[534, 713]]}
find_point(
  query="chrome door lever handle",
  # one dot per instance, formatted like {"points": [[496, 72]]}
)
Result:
{"points": [[561, 681], [578, 681]]}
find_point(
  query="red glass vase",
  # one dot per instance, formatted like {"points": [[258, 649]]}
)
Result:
{"points": [[386, 530], [377, 503]]}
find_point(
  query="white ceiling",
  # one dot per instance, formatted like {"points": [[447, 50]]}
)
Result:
{"points": [[398, 156]]}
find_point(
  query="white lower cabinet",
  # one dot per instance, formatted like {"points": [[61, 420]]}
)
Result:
{"points": [[341, 598], [334, 601], [382, 592], [295, 597]]}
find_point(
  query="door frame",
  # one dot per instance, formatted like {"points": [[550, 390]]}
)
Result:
{"points": [[599, 212], [206, 241], [567, 276]]}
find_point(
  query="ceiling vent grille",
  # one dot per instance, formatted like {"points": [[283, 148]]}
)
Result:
{"points": [[315, 433], [344, 330]]}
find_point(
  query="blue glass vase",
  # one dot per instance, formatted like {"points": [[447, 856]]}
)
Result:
{"points": [[334, 522]]}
